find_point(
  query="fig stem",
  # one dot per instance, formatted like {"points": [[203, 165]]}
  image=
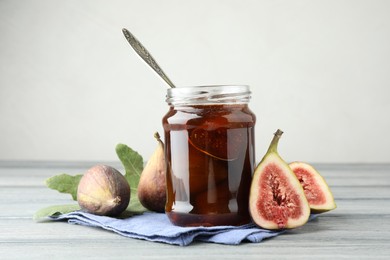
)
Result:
{"points": [[157, 136], [273, 147]]}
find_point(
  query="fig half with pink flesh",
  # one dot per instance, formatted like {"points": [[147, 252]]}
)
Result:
{"points": [[317, 191], [277, 199]]}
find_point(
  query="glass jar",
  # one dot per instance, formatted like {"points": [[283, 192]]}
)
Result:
{"points": [[210, 155]]}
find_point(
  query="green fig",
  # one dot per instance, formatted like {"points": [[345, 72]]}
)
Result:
{"points": [[152, 183], [277, 199], [103, 190], [316, 189]]}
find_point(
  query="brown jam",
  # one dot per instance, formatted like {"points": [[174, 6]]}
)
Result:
{"points": [[210, 160]]}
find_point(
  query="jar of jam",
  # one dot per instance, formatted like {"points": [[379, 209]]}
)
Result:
{"points": [[210, 155]]}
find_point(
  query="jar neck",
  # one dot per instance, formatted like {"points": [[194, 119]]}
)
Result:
{"points": [[208, 95]]}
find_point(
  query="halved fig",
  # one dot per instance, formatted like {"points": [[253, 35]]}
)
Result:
{"points": [[317, 191], [277, 199]]}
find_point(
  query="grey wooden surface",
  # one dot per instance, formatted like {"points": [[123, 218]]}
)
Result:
{"points": [[358, 229]]}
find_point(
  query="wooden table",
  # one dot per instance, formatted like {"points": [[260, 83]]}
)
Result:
{"points": [[358, 229]]}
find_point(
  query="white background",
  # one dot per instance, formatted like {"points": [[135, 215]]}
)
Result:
{"points": [[71, 87]]}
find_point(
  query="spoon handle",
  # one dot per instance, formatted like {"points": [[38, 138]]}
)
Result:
{"points": [[146, 56]]}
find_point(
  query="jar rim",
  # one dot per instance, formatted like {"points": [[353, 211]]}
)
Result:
{"points": [[208, 94]]}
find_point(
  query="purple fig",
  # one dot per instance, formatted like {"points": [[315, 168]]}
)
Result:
{"points": [[152, 183], [103, 191]]}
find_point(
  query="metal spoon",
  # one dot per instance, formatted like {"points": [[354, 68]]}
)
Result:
{"points": [[146, 56]]}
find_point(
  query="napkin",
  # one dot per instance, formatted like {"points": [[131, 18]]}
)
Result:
{"points": [[157, 227]]}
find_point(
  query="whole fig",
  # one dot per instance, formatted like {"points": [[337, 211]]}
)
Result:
{"points": [[103, 191], [152, 184]]}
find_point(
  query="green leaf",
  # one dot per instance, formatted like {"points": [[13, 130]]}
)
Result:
{"points": [[134, 164], [64, 183], [56, 210]]}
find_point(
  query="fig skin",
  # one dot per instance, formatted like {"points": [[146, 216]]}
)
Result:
{"points": [[316, 189], [277, 199], [152, 184], [104, 191]]}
